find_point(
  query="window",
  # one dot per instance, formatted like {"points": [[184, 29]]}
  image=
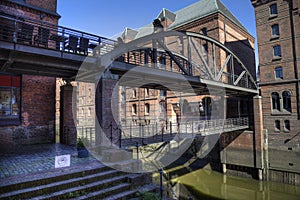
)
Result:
{"points": [[277, 125], [278, 73], [203, 31], [89, 112], [162, 106], [147, 109], [9, 98], [163, 93], [205, 47], [286, 96], [277, 51], [134, 93], [287, 126], [275, 101], [134, 109], [275, 30], [273, 10], [146, 92]]}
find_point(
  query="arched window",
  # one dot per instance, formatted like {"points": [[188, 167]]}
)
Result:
{"points": [[277, 125], [287, 126], [82, 111], [286, 96], [89, 112], [275, 101]]}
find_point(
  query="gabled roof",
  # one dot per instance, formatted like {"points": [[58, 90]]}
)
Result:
{"points": [[191, 13], [202, 9], [129, 33], [165, 13]]}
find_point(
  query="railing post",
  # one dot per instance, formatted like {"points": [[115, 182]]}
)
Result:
{"points": [[90, 134], [161, 182], [130, 130], [111, 133], [120, 137], [192, 128]]}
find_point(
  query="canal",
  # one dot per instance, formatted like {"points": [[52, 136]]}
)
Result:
{"points": [[207, 184]]}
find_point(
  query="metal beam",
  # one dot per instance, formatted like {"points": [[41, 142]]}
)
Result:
{"points": [[172, 57], [239, 78], [223, 67], [205, 64]]}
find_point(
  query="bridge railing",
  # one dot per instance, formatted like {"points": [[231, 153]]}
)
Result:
{"points": [[20, 30], [160, 132], [204, 127]]}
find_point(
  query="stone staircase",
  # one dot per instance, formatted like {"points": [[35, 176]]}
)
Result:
{"points": [[89, 181]]}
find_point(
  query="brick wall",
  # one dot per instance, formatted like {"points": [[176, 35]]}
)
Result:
{"points": [[45, 4], [37, 118], [37, 114]]}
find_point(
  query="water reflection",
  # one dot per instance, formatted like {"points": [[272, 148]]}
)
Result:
{"points": [[204, 184]]}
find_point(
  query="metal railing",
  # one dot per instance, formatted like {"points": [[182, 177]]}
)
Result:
{"points": [[32, 32], [161, 132]]}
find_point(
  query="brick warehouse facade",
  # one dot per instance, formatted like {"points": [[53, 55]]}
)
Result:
{"points": [[27, 102], [278, 33], [210, 18]]}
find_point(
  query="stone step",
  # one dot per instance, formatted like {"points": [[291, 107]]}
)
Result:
{"points": [[133, 192], [85, 189], [51, 176], [117, 189], [60, 185]]}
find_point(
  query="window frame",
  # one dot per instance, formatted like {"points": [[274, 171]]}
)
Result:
{"points": [[277, 126], [277, 53], [134, 109], [10, 119], [275, 32], [286, 101], [287, 125], [278, 72], [147, 108], [275, 102], [273, 10]]}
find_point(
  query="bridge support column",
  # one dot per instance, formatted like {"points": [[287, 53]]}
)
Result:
{"points": [[258, 137], [107, 115], [68, 133]]}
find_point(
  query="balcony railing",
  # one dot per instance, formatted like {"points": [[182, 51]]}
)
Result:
{"points": [[32, 32]]}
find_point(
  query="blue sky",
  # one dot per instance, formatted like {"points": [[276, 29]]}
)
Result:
{"points": [[110, 17]]}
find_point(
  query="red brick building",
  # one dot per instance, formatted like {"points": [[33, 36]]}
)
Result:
{"points": [[209, 18], [27, 103], [278, 34]]}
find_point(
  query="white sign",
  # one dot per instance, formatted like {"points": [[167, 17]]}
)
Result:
{"points": [[62, 161]]}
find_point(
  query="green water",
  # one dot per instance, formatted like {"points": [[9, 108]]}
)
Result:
{"points": [[204, 184]]}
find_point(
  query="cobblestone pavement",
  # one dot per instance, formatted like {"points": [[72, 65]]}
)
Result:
{"points": [[36, 158]]}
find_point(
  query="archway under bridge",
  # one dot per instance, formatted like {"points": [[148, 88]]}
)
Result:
{"points": [[150, 90]]}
